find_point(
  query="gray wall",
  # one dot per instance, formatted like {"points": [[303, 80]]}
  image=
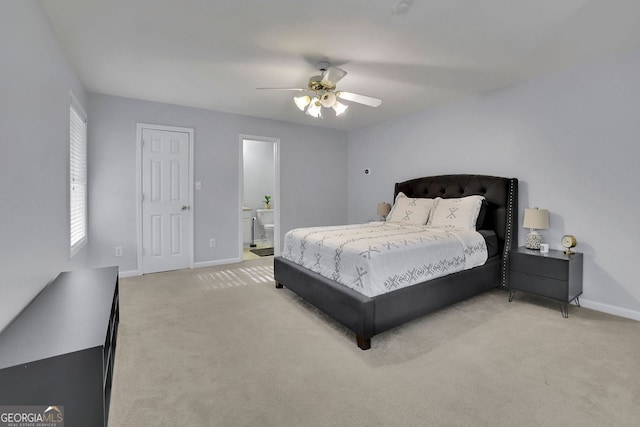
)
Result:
{"points": [[572, 138], [313, 173], [35, 82]]}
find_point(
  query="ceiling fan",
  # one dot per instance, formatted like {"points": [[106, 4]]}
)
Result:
{"points": [[322, 93]]}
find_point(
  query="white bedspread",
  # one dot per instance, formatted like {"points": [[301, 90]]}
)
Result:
{"points": [[380, 257]]}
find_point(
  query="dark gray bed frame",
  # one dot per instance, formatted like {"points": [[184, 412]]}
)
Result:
{"points": [[368, 316]]}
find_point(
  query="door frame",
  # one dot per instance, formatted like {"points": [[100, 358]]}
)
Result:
{"points": [[189, 230], [276, 195]]}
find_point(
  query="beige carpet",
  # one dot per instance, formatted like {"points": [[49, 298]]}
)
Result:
{"points": [[223, 347]]}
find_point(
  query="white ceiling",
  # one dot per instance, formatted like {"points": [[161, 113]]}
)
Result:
{"points": [[213, 54]]}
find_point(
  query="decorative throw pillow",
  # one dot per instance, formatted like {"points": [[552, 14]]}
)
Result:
{"points": [[410, 211], [456, 213]]}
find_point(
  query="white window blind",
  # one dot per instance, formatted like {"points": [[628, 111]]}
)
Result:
{"points": [[77, 175]]}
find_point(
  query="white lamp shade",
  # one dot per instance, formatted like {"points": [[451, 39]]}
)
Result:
{"points": [[315, 108], [536, 219], [302, 101], [339, 107], [327, 99]]}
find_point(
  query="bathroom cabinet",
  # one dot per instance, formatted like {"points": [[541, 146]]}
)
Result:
{"points": [[246, 226]]}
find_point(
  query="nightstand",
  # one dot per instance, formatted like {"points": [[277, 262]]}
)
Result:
{"points": [[554, 275]]}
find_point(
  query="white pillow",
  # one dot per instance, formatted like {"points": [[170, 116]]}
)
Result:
{"points": [[410, 211], [456, 213]]}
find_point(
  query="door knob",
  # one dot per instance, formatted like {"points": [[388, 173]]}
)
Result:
{"points": [[185, 207]]}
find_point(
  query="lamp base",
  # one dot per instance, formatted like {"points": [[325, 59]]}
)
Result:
{"points": [[533, 240]]}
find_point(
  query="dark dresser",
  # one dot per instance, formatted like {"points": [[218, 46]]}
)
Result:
{"points": [[60, 349]]}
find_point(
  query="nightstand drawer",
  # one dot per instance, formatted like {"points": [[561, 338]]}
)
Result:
{"points": [[539, 285], [540, 266]]}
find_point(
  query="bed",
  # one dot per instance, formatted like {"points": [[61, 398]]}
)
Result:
{"points": [[368, 315]]}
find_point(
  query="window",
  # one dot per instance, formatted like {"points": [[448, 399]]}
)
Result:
{"points": [[77, 175]]}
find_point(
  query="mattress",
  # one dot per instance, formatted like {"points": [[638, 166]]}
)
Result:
{"points": [[380, 257]]}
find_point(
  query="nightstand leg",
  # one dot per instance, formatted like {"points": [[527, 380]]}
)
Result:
{"points": [[564, 308], [512, 293], [578, 301]]}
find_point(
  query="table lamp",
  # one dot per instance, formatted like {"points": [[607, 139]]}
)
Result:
{"points": [[535, 219], [383, 210]]}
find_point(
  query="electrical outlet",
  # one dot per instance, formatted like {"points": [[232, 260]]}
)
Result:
{"points": [[212, 243], [118, 250]]}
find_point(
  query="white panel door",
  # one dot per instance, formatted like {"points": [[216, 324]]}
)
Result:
{"points": [[166, 214]]}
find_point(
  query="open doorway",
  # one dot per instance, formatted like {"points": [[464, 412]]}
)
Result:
{"points": [[260, 197]]}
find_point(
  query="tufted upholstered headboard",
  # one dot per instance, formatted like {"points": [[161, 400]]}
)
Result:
{"points": [[500, 193]]}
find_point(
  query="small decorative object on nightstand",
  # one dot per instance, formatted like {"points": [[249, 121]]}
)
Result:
{"points": [[535, 219], [383, 210], [569, 241], [554, 274]]}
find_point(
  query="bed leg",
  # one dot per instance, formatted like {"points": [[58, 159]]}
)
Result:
{"points": [[278, 285], [363, 343]]}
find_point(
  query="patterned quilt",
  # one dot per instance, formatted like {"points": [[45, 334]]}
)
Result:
{"points": [[380, 257]]}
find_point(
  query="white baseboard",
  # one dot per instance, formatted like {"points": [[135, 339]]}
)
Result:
{"points": [[611, 309], [202, 264], [131, 273], [134, 273]]}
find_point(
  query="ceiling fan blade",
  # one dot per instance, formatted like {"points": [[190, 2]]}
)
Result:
{"points": [[283, 88], [332, 76], [360, 99]]}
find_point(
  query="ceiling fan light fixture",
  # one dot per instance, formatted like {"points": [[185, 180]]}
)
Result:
{"points": [[339, 107], [302, 101], [315, 108], [328, 99], [322, 91]]}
